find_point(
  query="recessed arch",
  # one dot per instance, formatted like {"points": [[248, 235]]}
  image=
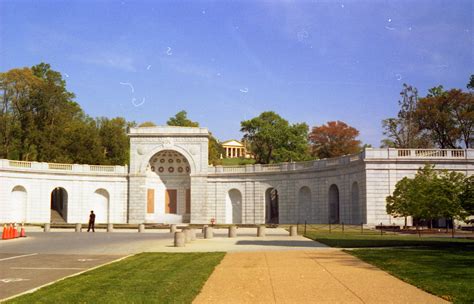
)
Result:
{"points": [[149, 156], [333, 204], [59, 205], [100, 205], [18, 204], [304, 204], [233, 208], [271, 206]]}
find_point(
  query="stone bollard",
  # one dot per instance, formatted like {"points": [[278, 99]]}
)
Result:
{"points": [[232, 231], [293, 231], [187, 235], [141, 228], [193, 234], [173, 228], [179, 240], [78, 227], [47, 227], [208, 233], [204, 228], [110, 227], [261, 231]]}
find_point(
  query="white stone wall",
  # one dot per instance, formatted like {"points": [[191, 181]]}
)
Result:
{"points": [[80, 190]]}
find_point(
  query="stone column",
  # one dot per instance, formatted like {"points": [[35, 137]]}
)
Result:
{"points": [[173, 228], [232, 231], [208, 233], [179, 240], [293, 231], [137, 197]]}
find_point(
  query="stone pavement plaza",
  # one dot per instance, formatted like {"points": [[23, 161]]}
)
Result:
{"points": [[273, 269]]}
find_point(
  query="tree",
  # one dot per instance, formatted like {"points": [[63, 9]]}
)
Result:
{"points": [[147, 124], [470, 85], [114, 140], [272, 139], [215, 148], [404, 130], [467, 196], [429, 195], [334, 139], [447, 116], [181, 119]]}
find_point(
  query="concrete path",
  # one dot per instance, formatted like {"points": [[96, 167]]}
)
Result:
{"points": [[317, 276]]}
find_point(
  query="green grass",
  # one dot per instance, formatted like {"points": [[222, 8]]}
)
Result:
{"points": [[143, 278], [237, 161], [447, 272], [353, 238]]}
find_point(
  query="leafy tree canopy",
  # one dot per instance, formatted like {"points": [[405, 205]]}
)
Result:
{"points": [[334, 139], [272, 139]]}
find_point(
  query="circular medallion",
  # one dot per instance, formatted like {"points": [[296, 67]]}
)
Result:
{"points": [[170, 160], [180, 169], [153, 168], [162, 160], [161, 169], [187, 169], [170, 169]]}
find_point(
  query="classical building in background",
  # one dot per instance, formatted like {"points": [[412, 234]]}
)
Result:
{"points": [[169, 181], [235, 149]]}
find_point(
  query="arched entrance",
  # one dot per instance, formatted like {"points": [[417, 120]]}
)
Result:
{"points": [[168, 188], [271, 206], [304, 204], [59, 200], [333, 205], [233, 207], [18, 204], [356, 210], [100, 205]]}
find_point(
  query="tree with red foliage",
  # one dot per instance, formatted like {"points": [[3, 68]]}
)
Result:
{"points": [[334, 139]]}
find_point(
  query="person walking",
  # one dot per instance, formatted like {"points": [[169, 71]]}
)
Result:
{"points": [[91, 221]]}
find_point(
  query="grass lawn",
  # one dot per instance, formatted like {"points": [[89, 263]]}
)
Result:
{"points": [[442, 266], [237, 161], [447, 272], [143, 278]]}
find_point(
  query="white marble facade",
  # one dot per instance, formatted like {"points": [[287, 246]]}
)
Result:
{"points": [[169, 181]]}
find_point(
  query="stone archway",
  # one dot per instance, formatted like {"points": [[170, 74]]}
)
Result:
{"points": [[233, 207], [271, 206], [100, 205], [168, 187], [18, 204], [304, 204], [333, 204], [59, 205]]}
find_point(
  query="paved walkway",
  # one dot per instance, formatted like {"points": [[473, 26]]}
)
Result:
{"points": [[317, 276]]}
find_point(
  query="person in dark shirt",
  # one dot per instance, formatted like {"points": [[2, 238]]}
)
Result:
{"points": [[91, 221]]}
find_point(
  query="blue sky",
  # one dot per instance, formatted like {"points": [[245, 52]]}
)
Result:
{"points": [[226, 61]]}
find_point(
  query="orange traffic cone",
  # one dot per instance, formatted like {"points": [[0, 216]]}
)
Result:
{"points": [[4, 233], [11, 233], [22, 234], [15, 231]]}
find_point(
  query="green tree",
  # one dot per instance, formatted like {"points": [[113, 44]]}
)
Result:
{"points": [[147, 124], [181, 119], [429, 195], [114, 140], [470, 85], [272, 139], [467, 196], [447, 116]]}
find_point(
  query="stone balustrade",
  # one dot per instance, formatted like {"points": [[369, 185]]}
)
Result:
{"points": [[367, 154], [55, 167]]}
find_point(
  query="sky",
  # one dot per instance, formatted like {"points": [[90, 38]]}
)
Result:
{"points": [[228, 61]]}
